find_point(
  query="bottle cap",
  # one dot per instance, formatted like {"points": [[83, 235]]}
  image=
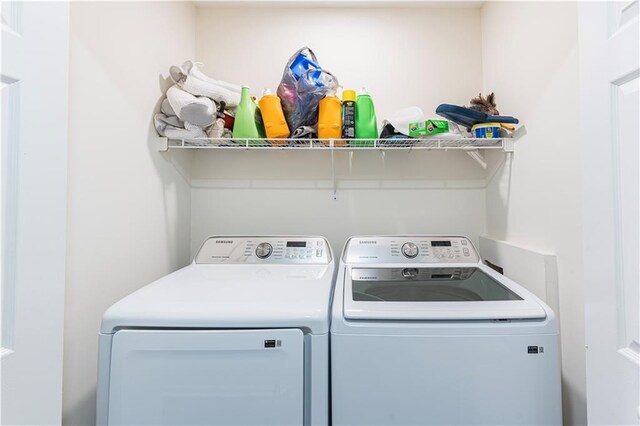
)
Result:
{"points": [[348, 95], [266, 91], [363, 91]]}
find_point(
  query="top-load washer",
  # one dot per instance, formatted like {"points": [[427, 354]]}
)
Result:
{"points": [[239, 337], [423, 333]]}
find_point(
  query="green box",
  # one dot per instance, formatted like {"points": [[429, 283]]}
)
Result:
{"points": [[429, 127]]}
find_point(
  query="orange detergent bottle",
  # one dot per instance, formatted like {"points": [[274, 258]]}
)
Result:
{"points": [[275, 124], [330, 119]]}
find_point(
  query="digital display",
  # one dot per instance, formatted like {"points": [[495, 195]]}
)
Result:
{"points": [[440, 243], [296, 243]]}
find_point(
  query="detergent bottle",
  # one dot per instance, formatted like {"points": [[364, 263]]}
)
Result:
{"points": [[275, 124], [245, 125], [365, 122], [348, 114], [330, 118]]}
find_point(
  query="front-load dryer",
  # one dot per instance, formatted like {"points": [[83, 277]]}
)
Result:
{"points": [[238, 337], [423, 333]]}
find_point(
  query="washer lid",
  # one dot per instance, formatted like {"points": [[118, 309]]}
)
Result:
{"points": [[446, 293]]}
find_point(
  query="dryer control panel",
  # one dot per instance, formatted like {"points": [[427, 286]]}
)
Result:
{"points": [[265, 250], [410, 249]]}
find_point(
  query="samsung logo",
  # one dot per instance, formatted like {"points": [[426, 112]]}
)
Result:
{"points": [[224, 241], [367, 242]]}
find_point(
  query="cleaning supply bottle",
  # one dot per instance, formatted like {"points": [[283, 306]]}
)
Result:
{"points": [[348, 114], [365, 122], [245, 125], [275, 125], [330, 118]]}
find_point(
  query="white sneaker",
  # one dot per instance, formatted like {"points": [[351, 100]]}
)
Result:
{"points": [[199, 110], [194, 81], [166, 109]]}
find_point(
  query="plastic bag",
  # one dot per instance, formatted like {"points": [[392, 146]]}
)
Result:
{"points": [[304, 83]]}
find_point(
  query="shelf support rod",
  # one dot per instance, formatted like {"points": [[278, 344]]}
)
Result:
{"points": [[333, 170], [475, 154]]}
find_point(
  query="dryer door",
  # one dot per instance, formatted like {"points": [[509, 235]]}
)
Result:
{"points": [[207, 377]]}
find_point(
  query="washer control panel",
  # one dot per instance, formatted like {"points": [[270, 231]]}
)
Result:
{"points": [[268, 250], [411, 249]]}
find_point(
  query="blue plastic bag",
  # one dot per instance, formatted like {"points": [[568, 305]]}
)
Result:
{"points": [[304, 83]]}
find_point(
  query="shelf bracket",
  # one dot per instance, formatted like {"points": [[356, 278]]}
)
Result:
{"points": [[478, 157], [508, 143], [163, 144]]}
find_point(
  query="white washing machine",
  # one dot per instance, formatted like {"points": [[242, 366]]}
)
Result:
{"points": [[423, 333], [239, 337]]}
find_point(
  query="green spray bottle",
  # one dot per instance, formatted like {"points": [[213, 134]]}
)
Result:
{"points": [[366, 124], [245, 125]]}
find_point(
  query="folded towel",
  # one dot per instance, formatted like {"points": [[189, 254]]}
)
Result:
{"points": [[194, 81], [197, 110], [174, 128], [170, 120]]}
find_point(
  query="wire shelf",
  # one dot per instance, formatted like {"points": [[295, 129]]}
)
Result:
{"points": [[471, 146], [335, 144]]}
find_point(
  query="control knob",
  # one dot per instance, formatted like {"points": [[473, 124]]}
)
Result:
{"points": [[410, 273], [264, 250], [410, 250]]}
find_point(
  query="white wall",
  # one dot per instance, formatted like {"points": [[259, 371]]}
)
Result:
{"points": [[404, 56], [128, 208], [292, 211], [530, 60]]}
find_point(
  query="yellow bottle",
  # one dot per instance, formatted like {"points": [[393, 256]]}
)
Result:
{"points": [[275, 125], [330, 119]]}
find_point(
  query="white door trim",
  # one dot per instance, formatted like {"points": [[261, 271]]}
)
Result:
{"points": [[35, 60]]}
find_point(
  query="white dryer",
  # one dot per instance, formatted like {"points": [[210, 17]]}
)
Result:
{"points": [[423, 333], [239, 337]]}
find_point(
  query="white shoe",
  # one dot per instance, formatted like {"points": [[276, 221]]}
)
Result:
{"points": [[166, 109], [194, 81], [200, 110]]}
